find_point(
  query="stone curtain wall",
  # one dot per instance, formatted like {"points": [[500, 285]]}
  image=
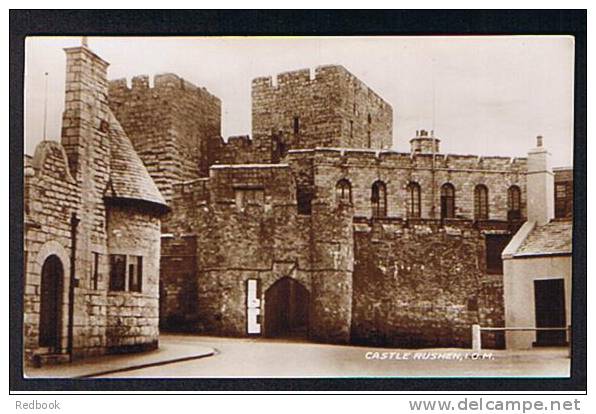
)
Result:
{"points": [[174, 126], [178, 279], [51, 196], [324, 105], [362, 168], [417, 285], [265, 242]]}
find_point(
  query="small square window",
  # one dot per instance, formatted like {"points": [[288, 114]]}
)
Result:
{"points": [[135, 273], [117, 272]]}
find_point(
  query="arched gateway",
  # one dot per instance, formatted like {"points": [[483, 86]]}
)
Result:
{"points": [[52, 274], [286, 309]]}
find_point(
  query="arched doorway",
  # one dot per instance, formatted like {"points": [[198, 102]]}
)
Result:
{"points": [[52, 274], [286, 309]]}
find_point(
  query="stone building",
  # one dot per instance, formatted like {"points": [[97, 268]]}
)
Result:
{"points": [[538, 261], [315, 227], [92, 231]]}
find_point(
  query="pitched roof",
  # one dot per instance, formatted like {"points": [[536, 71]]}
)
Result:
{"points": [[549, 239], [129, 178]]}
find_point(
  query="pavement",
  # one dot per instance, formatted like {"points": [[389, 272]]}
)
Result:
{"points": [[258, 357], [169, 351]]}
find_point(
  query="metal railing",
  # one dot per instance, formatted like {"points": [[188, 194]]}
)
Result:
{"points": [[477, 333]]}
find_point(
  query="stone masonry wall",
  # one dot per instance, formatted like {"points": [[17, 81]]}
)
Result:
{"points": [[173, 126], [332, 109], [178, 283], [69, 179], [51, 196], [265, 242], [418, 285], [132, 317], [362, 168]]}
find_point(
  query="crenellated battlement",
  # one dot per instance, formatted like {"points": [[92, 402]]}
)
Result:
{"points": [[307, 75], [161, 82], [319, 76], [395, 159]]}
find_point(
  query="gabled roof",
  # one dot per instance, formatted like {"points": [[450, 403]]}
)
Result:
{"points": [[553, 238], [129, 179]]}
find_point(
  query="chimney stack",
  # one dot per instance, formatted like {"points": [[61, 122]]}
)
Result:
{"points": [[540, 184]]}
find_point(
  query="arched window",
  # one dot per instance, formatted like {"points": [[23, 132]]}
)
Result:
{"points": [[414, 200], [378, 199], [343, 192], [447, 201], [481, 202], [513, 203]]}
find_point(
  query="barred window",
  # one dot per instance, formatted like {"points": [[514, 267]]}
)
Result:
{"points": [[514, 203], [122, 266], [249, 196], [117, 272], [447, 201], [135, 273], [481, 202], [343, 192], [563, 199], [378, 199], [414, 200]]}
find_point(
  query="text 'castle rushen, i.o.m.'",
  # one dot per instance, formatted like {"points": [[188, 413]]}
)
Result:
{"points": [[313, 227]]}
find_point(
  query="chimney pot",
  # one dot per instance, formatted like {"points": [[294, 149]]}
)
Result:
{"points": [[539, 141]]}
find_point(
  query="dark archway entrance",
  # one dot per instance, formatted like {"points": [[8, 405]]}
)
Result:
{"points": [[286, 309], [52, 274]]}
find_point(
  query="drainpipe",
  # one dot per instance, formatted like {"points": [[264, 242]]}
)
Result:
{"points": [[433, 208], [74, 222]]}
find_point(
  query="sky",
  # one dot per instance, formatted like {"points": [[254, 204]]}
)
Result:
{"points": [[481, 95]]}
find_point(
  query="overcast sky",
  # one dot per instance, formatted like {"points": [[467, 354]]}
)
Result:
{"points": [[492, 95]]}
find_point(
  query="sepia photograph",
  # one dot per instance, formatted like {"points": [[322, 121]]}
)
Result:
{"points": [[298, 207], [284, 207]]}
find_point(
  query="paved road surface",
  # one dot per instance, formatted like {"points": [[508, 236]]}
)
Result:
{"points": [[277, 358]]}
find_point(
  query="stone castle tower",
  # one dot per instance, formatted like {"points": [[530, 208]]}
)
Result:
{"points": [[314, 225]]}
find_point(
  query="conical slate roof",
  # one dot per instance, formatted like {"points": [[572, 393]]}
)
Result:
{"points": [[129, 179]]}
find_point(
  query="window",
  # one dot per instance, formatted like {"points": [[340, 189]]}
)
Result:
{"points": [[495, 244], [135, 273], [249, 197], [343, 192], [513, 203], [279, 149], [296, 125], [447, 201], [351, 129], [304, 198], [413, 200], [117, 272], [481, 202], [563, 199], [119, 282], [95, 272], [378, 199]]}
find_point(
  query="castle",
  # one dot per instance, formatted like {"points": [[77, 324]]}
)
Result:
{"points": [[314, 227]]}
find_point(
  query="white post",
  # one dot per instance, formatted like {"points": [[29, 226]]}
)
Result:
{"points": [[476, 338]]}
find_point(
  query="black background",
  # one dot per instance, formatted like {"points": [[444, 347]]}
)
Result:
{"points": [[306, 23]]}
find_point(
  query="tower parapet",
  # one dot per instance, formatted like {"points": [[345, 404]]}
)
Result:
{"points": [[327, 107], [174, 126], [424, 143]]}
